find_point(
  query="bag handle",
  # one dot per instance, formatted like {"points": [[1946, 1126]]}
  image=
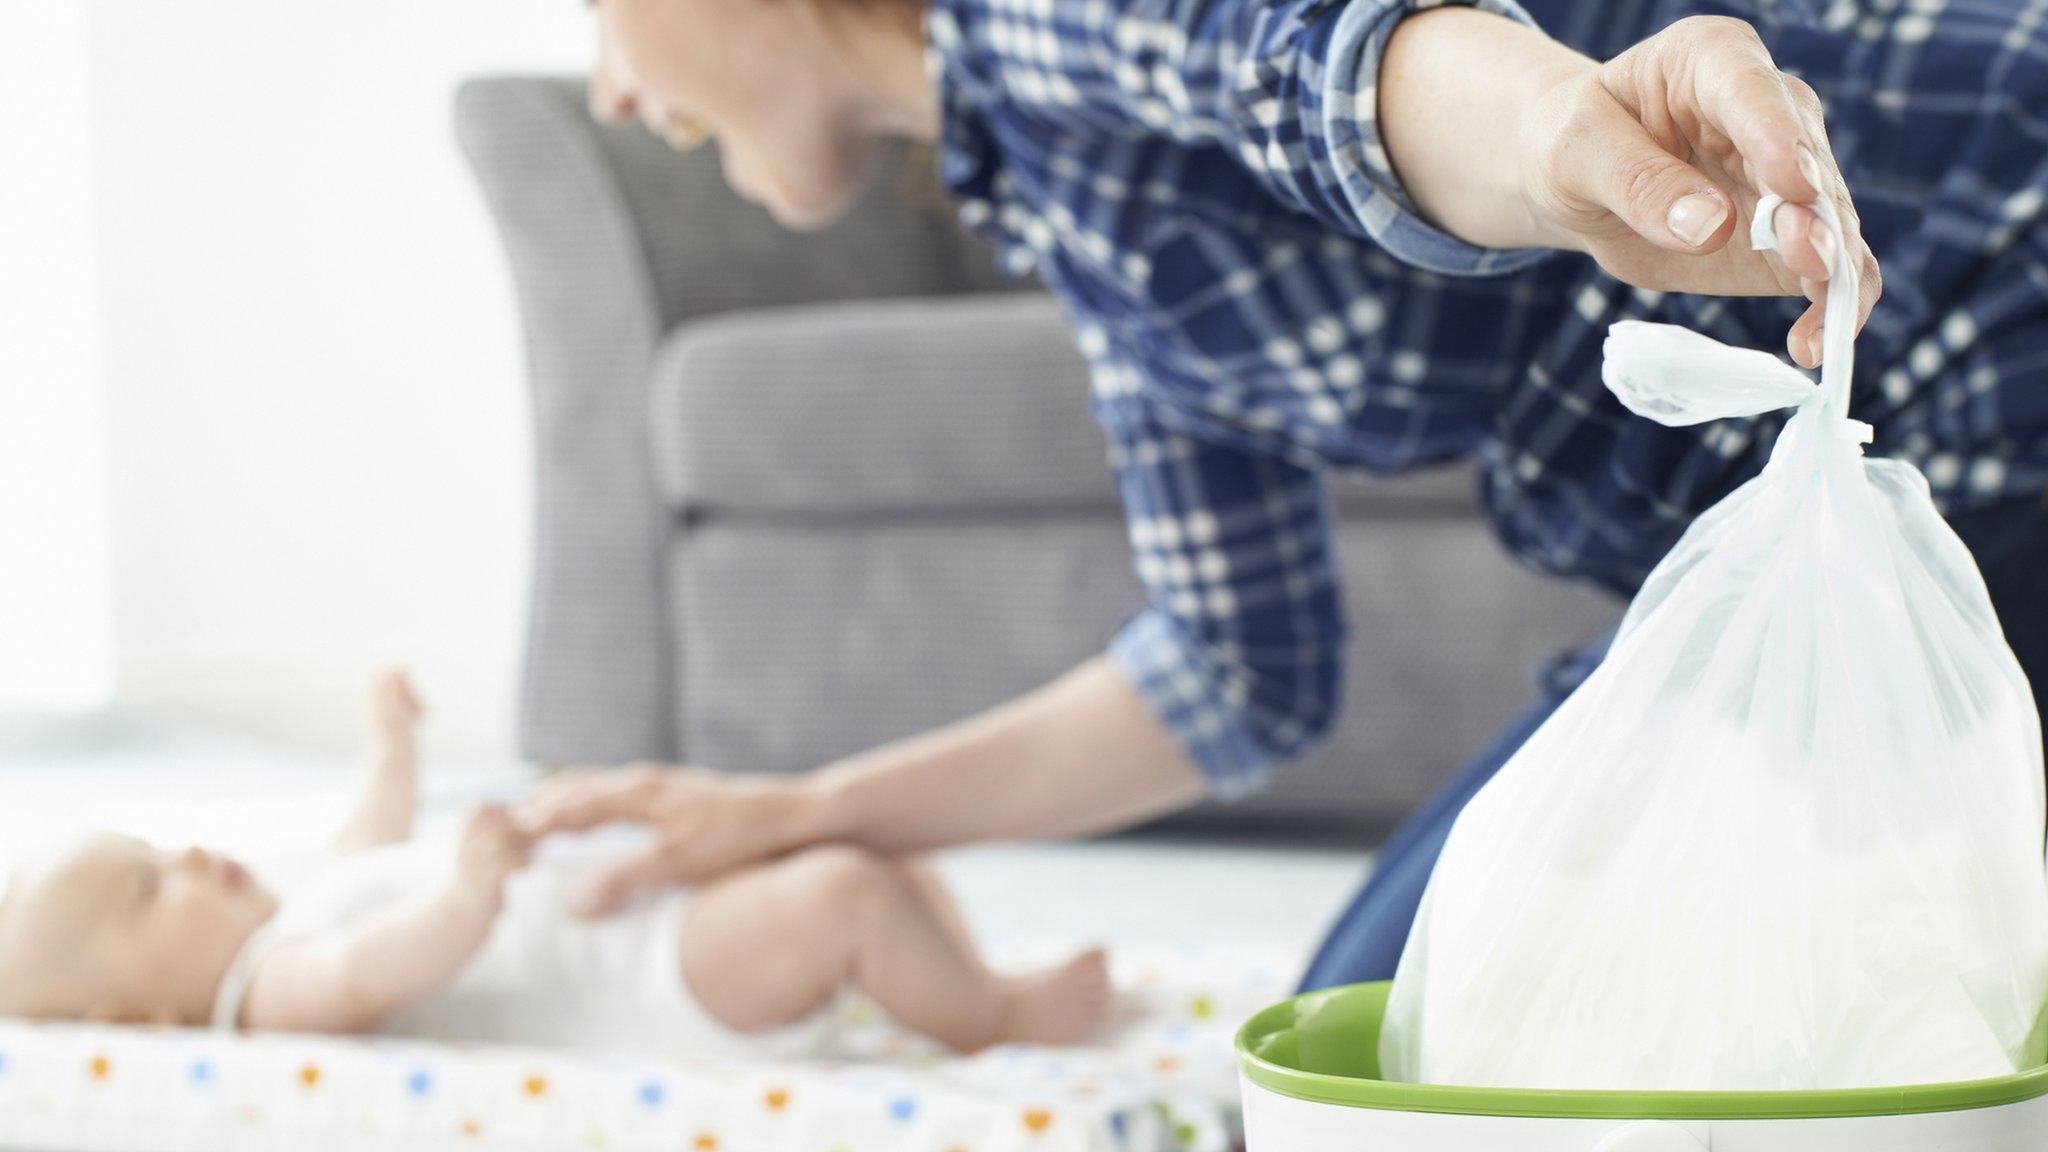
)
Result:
{"points": [[1678, 377], [1838, 319]]}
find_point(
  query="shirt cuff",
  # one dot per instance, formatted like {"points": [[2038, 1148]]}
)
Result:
{"points": [[1350, 104], [1169, 676]]}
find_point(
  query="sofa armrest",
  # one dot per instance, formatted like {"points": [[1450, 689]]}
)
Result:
{"points": [[596, 679], [613, 240]]}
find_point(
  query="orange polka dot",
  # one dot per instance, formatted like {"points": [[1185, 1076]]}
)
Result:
{"points": [[1037, 1120], [99, 1067], [472, 1127], [705, 1142], [776, 1098], [536, 1086], [1166, 1063], [309, 1075]]}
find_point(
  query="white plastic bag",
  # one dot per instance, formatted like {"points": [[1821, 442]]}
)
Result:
{"points": [[1789, 834]]}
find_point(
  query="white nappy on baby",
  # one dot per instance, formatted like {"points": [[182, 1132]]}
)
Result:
{"points": [[544, 976]]}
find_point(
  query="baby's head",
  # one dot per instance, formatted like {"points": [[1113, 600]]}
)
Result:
{"points": [[119, 930]]}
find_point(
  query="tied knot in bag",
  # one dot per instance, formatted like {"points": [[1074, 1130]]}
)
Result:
{"points": [[1678, 377]]}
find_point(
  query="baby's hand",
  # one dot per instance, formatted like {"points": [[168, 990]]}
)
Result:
{"points": [[492, 849], [394, 707]]}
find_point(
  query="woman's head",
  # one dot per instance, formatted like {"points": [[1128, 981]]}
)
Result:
{"points": [[120, 930], [797, 93]]}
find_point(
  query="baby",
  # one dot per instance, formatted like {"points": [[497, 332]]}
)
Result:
{"points": [[395, 936]]}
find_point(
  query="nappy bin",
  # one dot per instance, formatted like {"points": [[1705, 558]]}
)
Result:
{"points": [[1309, 1071]]}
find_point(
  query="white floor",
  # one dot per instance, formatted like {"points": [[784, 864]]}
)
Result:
{"points": [[176, 785]]}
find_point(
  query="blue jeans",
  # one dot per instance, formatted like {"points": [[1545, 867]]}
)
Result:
{"points": [[2010, 542]]}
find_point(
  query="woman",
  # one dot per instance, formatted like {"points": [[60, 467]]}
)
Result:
{"points": [[1297, 235]]}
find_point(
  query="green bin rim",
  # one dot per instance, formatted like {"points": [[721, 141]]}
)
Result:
{"points": [[1356, 1092]]}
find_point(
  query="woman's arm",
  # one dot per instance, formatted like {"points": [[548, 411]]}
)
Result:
{"points": [[1460, 138], [1234, 665], [1081, 754], [1506, 138]]}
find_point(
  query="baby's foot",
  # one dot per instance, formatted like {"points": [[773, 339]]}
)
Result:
{"points": [[1061, 1005]]}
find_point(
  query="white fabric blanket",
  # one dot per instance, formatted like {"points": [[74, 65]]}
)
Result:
{"points": [[1164, 1081]]}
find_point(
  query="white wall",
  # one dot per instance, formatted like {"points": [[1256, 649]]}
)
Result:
{"points": [[317, 419], [55, 603]]}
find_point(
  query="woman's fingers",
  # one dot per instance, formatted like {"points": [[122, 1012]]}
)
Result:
{"points": [[1777, 125], [586, 799], [1741, 92], [1805, 245], [1869, 279], [1603, 154], [657, 867]]}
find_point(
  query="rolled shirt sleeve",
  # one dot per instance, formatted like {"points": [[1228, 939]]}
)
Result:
{"points": [[1240, 649], [1287, 87]]}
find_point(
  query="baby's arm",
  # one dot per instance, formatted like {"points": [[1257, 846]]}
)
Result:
{"points": [[352, 980], [383, 814]]}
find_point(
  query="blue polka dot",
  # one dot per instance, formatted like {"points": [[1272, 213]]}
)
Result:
{"points": [[903, 1108], [651, 1094], [201, 1072], [3, 1061], [419, 1083]]}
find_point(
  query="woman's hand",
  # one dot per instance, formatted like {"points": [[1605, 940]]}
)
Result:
{"points": [[704, 822], [1080, 755], [1653, 161]]}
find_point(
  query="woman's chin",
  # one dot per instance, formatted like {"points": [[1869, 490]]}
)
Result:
{"points": [[806, 217]]}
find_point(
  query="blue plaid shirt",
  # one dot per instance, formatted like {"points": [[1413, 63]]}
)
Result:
{"points": [[1202, 182]]}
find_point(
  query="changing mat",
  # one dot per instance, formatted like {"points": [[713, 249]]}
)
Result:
{"points": [[1163, 1080]]}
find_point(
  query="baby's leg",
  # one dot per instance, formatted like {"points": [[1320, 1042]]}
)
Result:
{"points": [[924, 880], [770, 945]]}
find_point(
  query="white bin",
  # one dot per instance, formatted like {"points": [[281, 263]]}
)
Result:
{"points": [[1309, 1070]]}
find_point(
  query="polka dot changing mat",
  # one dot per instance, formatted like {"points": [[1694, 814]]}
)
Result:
{"points": [[1164, 1080]]}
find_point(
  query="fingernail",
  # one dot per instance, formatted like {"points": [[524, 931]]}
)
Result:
{"points": [[1809, 167], [1695, 218], [1824, 243], [1813, 347]]}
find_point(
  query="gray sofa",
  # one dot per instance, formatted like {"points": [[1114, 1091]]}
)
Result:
{"points": [[797, 495]]}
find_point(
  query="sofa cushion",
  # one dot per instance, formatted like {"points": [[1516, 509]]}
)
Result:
{"points": [[977, 402], [972, 402]]}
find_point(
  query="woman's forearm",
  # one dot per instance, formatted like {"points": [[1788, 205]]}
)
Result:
{"points": [[1454, 84], [1082, 754]]}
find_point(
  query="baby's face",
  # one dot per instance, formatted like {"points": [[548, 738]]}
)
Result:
{"points": [[119, 929]]}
